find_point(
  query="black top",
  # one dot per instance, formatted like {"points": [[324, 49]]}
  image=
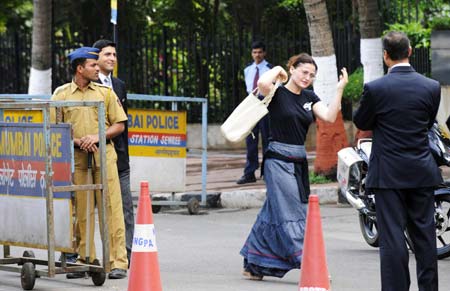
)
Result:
{"points": [[290, 115]]}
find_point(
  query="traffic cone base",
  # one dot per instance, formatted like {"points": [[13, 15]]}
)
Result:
{"points": [[314, 271], [144, 266]]}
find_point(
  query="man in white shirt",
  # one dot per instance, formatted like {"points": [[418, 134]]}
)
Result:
{"points": [[252, 73]]}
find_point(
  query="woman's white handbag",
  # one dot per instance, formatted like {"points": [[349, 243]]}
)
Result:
{"points": [[246, 115]]}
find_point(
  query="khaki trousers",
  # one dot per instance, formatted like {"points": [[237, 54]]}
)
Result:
{"points": [[114, 212]]}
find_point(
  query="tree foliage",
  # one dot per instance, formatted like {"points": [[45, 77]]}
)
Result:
{"points": [[417, 34], [15, 14], [354, 88]]}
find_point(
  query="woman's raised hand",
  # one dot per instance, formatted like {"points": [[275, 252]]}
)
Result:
{"points": [[343, 79], [282, 76]]}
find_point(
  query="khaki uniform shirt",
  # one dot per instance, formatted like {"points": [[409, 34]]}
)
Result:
{"points": [[84, 119]]}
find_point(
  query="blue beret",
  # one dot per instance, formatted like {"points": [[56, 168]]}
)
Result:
{"points": [[84, 52]]}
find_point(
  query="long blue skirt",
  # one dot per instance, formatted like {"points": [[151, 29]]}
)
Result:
{"points": [[275, 243]]}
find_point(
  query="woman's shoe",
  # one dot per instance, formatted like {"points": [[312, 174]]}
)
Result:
{"points": [[251, 276]]}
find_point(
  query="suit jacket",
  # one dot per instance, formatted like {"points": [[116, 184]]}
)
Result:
{"points": [[121, 141], [399, 108]]}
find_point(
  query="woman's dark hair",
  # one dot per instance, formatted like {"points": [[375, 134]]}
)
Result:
{"points": [[299, 59], [75, 64], [396, 44]]}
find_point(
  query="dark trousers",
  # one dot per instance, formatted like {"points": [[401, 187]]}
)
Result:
{"points": [[411, 209], [252, 141], [127, 206]]}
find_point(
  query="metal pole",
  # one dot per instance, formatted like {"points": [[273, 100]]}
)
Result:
{"points": [[6, 251], [104, 178], [49, 191], [174, 106], [204, 149], [88, 209], [115, 39]]}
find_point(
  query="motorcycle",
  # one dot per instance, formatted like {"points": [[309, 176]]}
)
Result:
{"points": [[353, 163]]}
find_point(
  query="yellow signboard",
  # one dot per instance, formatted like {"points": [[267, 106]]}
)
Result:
{"points": [[12, 115], [155, 133]]}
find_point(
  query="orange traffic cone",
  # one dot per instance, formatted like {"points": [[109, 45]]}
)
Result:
{"points": [[144, 267], [314, 271]]}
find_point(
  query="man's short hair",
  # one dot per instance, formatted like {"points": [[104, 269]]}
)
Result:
{"points": [[75, 63], [396, 44], [102, 43], [258, 45]]}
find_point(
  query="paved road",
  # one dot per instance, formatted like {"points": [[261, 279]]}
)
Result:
{"points": [[201, 253]]}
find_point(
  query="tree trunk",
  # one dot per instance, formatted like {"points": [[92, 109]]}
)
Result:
{"points": [[331, 137], [41, 62], [371, 47]]}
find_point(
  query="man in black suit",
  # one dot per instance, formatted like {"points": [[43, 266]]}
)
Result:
{"points": [[106, 62], [400, 108]]}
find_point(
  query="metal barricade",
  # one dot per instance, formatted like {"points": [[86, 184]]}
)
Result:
{"points": [[192, 204], [28, 262]]}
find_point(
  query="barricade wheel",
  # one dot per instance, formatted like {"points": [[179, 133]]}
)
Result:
{"points": [[156, 208], [193, 206], [26, 254], [28, 276], [98, 278]]}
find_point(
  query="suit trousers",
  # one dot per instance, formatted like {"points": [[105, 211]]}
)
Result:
{"points": [[114, 212], [127, 206], [252, 141], [413, 210]]}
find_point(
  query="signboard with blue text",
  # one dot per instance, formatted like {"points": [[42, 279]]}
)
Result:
{"points": [[157, 147], [22, 183], [23, 116]]}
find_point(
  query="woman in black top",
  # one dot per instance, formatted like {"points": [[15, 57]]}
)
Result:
{"points": [[275, 243]]}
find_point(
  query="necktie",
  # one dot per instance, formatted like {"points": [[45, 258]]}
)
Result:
{"points": [[255, 80], [107, 82]]}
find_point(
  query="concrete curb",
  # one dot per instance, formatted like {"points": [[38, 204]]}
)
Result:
{"points": [[328, 194], [252, 198]]}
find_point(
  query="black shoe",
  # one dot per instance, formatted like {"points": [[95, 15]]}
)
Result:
{"points": [[76, 275], [117, 274], [246, 179], [129, 258], [70, 257]]}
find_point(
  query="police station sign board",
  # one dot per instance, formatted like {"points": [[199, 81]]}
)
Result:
{"points": [[22, 184], [157, 147]]}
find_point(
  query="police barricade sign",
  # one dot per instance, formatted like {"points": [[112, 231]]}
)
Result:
{"points": [[23, 115], [157, 147], [22, 185]]}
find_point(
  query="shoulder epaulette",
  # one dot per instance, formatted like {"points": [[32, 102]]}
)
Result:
{"points": [[249, 64], [269, 65], [100, 85], [60, 88]]}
